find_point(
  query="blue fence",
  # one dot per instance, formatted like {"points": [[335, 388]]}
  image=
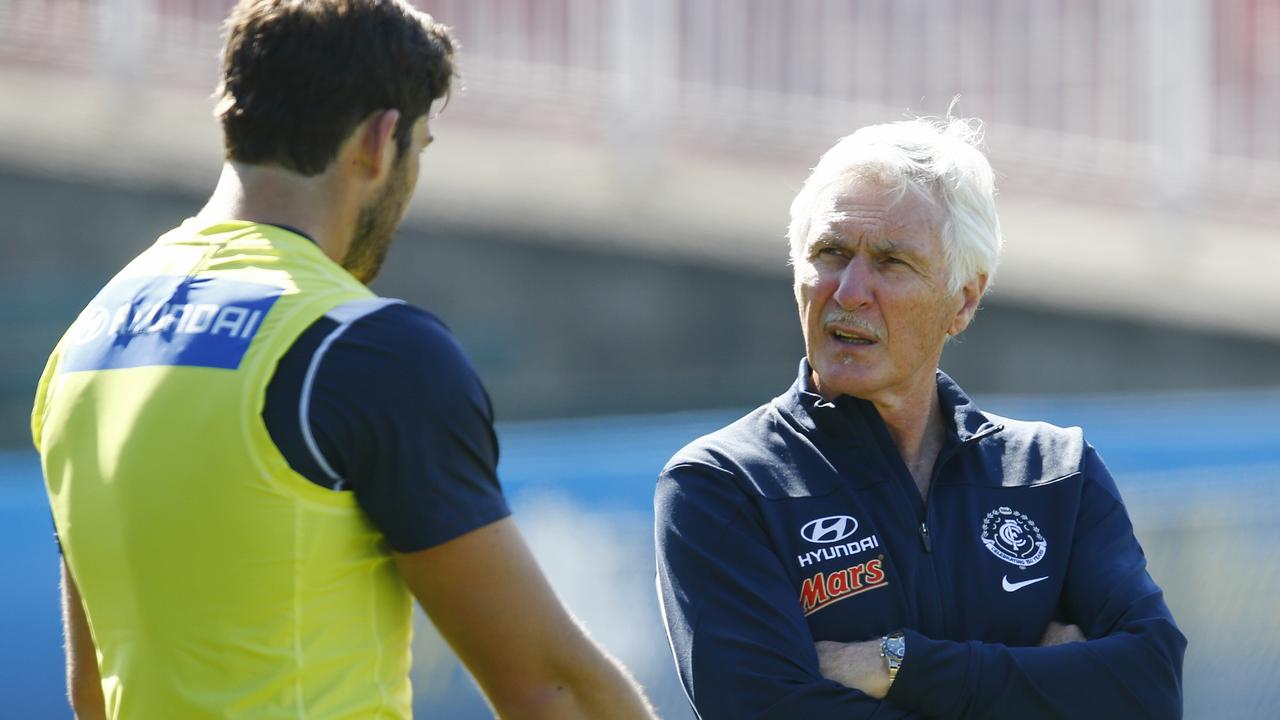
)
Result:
{"points": [[1200, 473]]}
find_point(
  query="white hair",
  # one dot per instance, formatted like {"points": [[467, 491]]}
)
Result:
{"points": [[937, 160]]}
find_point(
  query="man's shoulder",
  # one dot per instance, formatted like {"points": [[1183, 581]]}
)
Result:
{"points": [[400, 323], [722, 447], [762, 453], [1032, 452], [396, 352], [401, 334]]}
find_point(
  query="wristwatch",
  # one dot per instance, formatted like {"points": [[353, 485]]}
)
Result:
{"points": [[893, 648]]}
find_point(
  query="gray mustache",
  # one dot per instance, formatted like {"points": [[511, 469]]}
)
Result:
{"points": [[849, 320]]}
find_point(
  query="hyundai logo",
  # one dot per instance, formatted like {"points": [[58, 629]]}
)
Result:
{"points": [[829, 529]]}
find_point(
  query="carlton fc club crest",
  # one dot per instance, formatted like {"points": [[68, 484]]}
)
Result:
{"points": [[1013, 537]]}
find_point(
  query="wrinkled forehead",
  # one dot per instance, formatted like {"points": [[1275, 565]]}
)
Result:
{"points": [[859, 206]]}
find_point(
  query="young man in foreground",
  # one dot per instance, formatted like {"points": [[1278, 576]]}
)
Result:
{"points": [[254, 463]]}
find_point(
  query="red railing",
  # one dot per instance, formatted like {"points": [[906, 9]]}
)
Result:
{"points": [[1179, 97]]}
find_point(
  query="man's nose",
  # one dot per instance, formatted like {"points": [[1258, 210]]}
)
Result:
{"points": [[856, 285]]}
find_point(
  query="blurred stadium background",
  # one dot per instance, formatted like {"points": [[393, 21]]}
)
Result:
{"points": [[601, 222]]}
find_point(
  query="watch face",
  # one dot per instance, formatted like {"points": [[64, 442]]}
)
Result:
{"points": [[895, 647]]}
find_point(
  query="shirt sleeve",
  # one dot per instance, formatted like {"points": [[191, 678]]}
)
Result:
{"points": [[741, 644], [399, 413], [1130, 667]]}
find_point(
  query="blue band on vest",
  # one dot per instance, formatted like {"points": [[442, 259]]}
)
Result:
{"points": [[167, 320]]}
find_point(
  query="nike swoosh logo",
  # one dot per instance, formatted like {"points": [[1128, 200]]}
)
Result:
{"points": [[1010, 587]]}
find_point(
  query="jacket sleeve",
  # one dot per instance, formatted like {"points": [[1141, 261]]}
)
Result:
{"points": [[1130, 667], [741, 644]]}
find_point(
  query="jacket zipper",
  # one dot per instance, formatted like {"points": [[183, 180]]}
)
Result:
{"points": [[925, 538]]}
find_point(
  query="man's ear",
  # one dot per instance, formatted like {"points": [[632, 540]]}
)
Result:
{"points": [[378, 143], [972, 294]]}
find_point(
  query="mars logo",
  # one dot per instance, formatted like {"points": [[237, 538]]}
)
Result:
{"points": [[829, 529], [1013, 537], [824, 589]]}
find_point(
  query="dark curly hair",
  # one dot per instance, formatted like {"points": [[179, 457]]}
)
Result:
{"points": [[298, 76]]}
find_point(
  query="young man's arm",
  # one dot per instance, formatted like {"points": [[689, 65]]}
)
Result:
{"points": [[487, 596], [84, 685], [400, 418]]}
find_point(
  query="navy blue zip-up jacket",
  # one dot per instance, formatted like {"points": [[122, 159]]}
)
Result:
{"points": [[800, 522]]}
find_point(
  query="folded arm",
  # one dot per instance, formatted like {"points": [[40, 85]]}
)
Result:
{"points": [[1130, 664], [742, 647]]}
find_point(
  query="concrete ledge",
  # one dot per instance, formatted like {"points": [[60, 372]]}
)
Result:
{"points": [[655, 197]]}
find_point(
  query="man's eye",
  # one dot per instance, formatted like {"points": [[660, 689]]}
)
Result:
{"points": [[829, 250]]}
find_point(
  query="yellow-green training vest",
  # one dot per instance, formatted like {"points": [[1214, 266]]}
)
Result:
{"points": [[217, 581]]}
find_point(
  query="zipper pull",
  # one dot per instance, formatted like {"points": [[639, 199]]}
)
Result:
{"points": [[924, 537]]}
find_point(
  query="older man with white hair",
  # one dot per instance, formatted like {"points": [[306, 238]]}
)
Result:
{"points": [[870, 541]]}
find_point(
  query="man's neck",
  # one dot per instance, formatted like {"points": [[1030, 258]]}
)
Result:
{"points": [[918, 429], [267, 194]]}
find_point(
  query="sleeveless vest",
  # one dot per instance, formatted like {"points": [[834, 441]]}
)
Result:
{"points": [[216, 580]]}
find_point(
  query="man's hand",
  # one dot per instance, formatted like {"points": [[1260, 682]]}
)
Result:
{"points": [[486, 595], [857, 665], [1058, 634]]}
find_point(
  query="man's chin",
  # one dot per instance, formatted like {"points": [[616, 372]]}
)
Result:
{"points": [[363, 274], [364, 260], [838, 375]]}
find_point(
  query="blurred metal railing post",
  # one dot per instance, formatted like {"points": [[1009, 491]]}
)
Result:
{"points": [[123, 46], [1179, 41], [121, 38], [1044, 78], [644, 49], [1266, 122]]}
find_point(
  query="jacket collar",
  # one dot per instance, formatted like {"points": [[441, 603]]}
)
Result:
{"points": [[968, 422], [852, 421]]}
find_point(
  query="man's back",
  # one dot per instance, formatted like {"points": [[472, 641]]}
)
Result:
{"points": [[217, 580]]}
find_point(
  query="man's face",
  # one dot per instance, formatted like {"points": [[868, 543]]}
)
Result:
{"points": [[377, 222], [871, 285]]}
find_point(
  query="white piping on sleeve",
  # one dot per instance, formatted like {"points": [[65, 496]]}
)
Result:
{"points": [[345, 314]]}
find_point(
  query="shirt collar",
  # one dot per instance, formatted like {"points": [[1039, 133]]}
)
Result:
{"points": [[968, 422], [848, 420]]}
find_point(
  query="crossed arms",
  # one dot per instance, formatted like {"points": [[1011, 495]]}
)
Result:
{"points": [[744, 650]]}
